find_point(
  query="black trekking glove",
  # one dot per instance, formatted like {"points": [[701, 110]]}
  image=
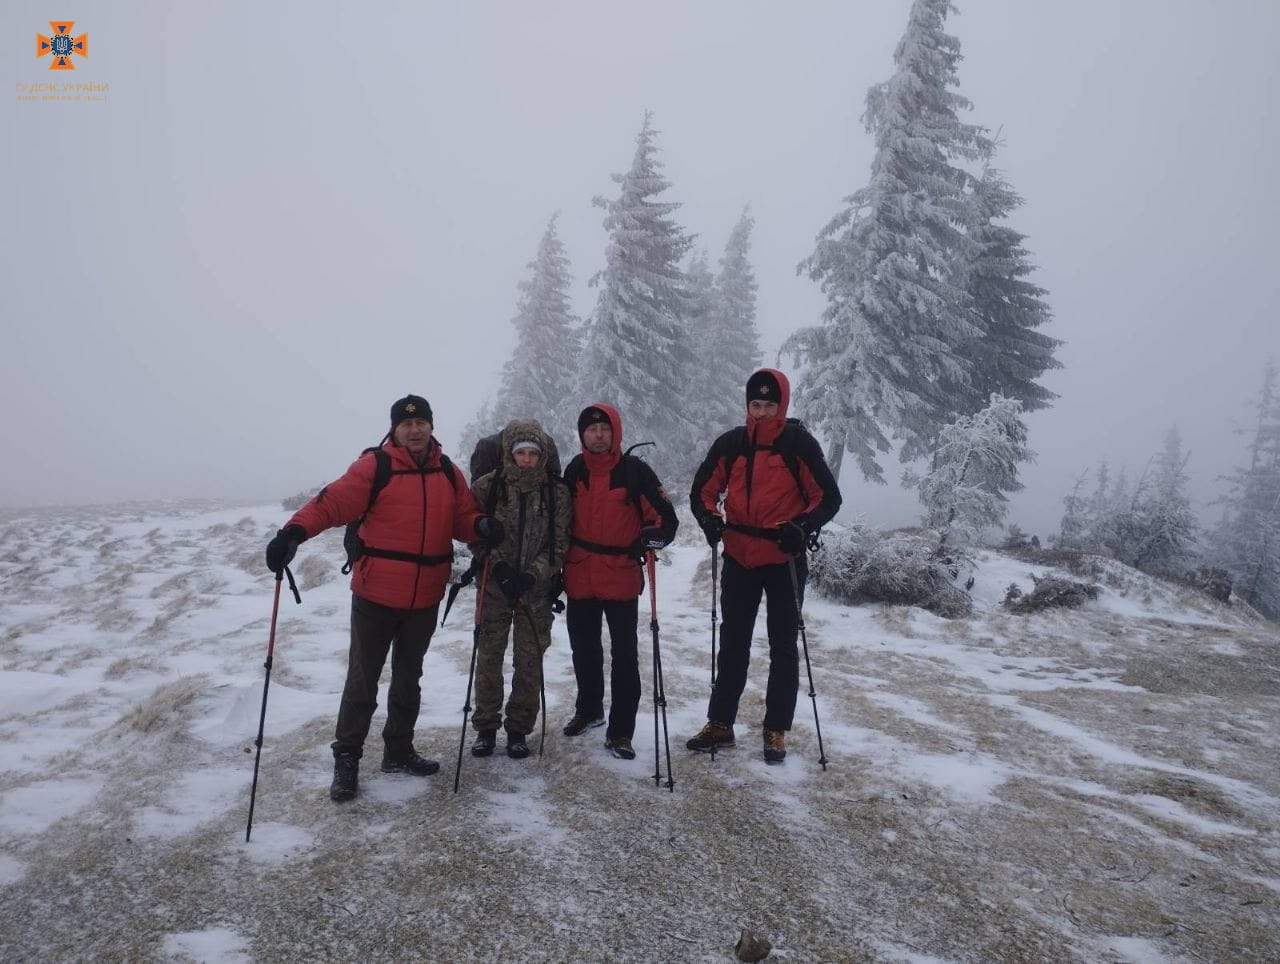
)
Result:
{"points": [[511, 582], [793, 535], [490, 531], [281, 549], [554, 591], [650, 538], [712, 528]]}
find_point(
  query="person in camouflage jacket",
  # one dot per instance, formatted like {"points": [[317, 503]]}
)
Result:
{"points": [[524, 580]]}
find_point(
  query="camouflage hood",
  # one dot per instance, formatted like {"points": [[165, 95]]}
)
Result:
{"points": [[524, 430]]}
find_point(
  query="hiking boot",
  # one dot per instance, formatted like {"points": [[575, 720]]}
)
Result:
{"points": [[580, 724], [408, 761], [775, 746], [620, 747], [713, 736], [517, 748], [346, 769], [486, 740]]}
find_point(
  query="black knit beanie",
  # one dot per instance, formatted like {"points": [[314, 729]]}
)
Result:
{"points": [[411, 406], [764, 386], [590, 416]]}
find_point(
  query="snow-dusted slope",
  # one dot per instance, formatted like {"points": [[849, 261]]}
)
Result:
{"points": [[1100, 784]]}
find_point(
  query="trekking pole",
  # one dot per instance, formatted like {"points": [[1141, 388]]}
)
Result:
{"points": [[542, 689], [471, 675], [715, 565], [795, 587], [266, 683], [659, 694]]}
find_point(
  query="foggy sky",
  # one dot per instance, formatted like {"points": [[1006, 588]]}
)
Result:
{"points": [[286, 215]]}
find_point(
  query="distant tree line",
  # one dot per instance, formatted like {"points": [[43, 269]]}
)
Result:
{"points": [[1149, 522]]}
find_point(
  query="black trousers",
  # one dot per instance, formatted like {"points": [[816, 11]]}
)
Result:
{"points": [[376, 629], [740, 592], [583, 618]]}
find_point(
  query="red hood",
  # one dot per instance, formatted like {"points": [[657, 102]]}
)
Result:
{"points": [[605, 460], [764, 431]]}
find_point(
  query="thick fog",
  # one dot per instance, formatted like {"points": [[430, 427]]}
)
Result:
{"points": [[283, 216]]}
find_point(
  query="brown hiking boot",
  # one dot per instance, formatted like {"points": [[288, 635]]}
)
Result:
{"points": [[713, 736], [620, 747], [775, 746], [580, 724]]}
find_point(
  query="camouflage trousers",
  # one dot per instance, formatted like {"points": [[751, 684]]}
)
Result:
{"points": [[529, 622]]}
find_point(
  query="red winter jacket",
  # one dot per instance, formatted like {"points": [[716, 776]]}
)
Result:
{"points": [[760, 491], [606, 523], [419, 513]]}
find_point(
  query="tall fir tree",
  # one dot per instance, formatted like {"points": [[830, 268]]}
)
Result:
{"points": [[1009, 354], [638, 351], [539, 378], [733, 352], [700, 321], [889, 355], [1247, 541]]}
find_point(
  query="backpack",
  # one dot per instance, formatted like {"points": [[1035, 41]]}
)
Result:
{"points": [[351, 540]]}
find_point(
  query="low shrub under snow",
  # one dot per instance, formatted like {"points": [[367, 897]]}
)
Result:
{"points": [[858, 565]]}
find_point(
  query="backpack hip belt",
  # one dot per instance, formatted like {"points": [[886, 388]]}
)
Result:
{"points": [[413, 557], [600, 548], [755, 531]]}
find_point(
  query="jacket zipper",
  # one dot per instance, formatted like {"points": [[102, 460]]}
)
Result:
{"points": [[422, 540]]}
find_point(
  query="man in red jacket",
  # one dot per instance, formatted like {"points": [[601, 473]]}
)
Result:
{"points": [[396, 583], [778, 492], [620, 511]]}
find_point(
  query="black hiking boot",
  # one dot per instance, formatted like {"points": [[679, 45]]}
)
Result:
{"points": [[346, 781], [775, 746], [580, 724], [408, 761], [713, 736], [486, 740], [620, 747], [517, 748]]}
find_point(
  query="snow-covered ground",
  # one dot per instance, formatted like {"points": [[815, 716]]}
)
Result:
{"points": [[1096, 785]]}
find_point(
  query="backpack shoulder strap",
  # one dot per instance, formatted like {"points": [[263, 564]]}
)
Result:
{"points": [[381, 474], [787, 444], [496, 484], [631, 479], [446, 466], [573, 473]]}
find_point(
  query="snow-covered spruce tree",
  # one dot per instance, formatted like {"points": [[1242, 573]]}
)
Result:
{"points": [[1166, 525], [1102, 509], [1009, 354], [638, 353], [1247, 541], [539, 378], [484, 423], [699, 318], [734, 349], [1075, 516], [975, 464], [890, 355]]}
